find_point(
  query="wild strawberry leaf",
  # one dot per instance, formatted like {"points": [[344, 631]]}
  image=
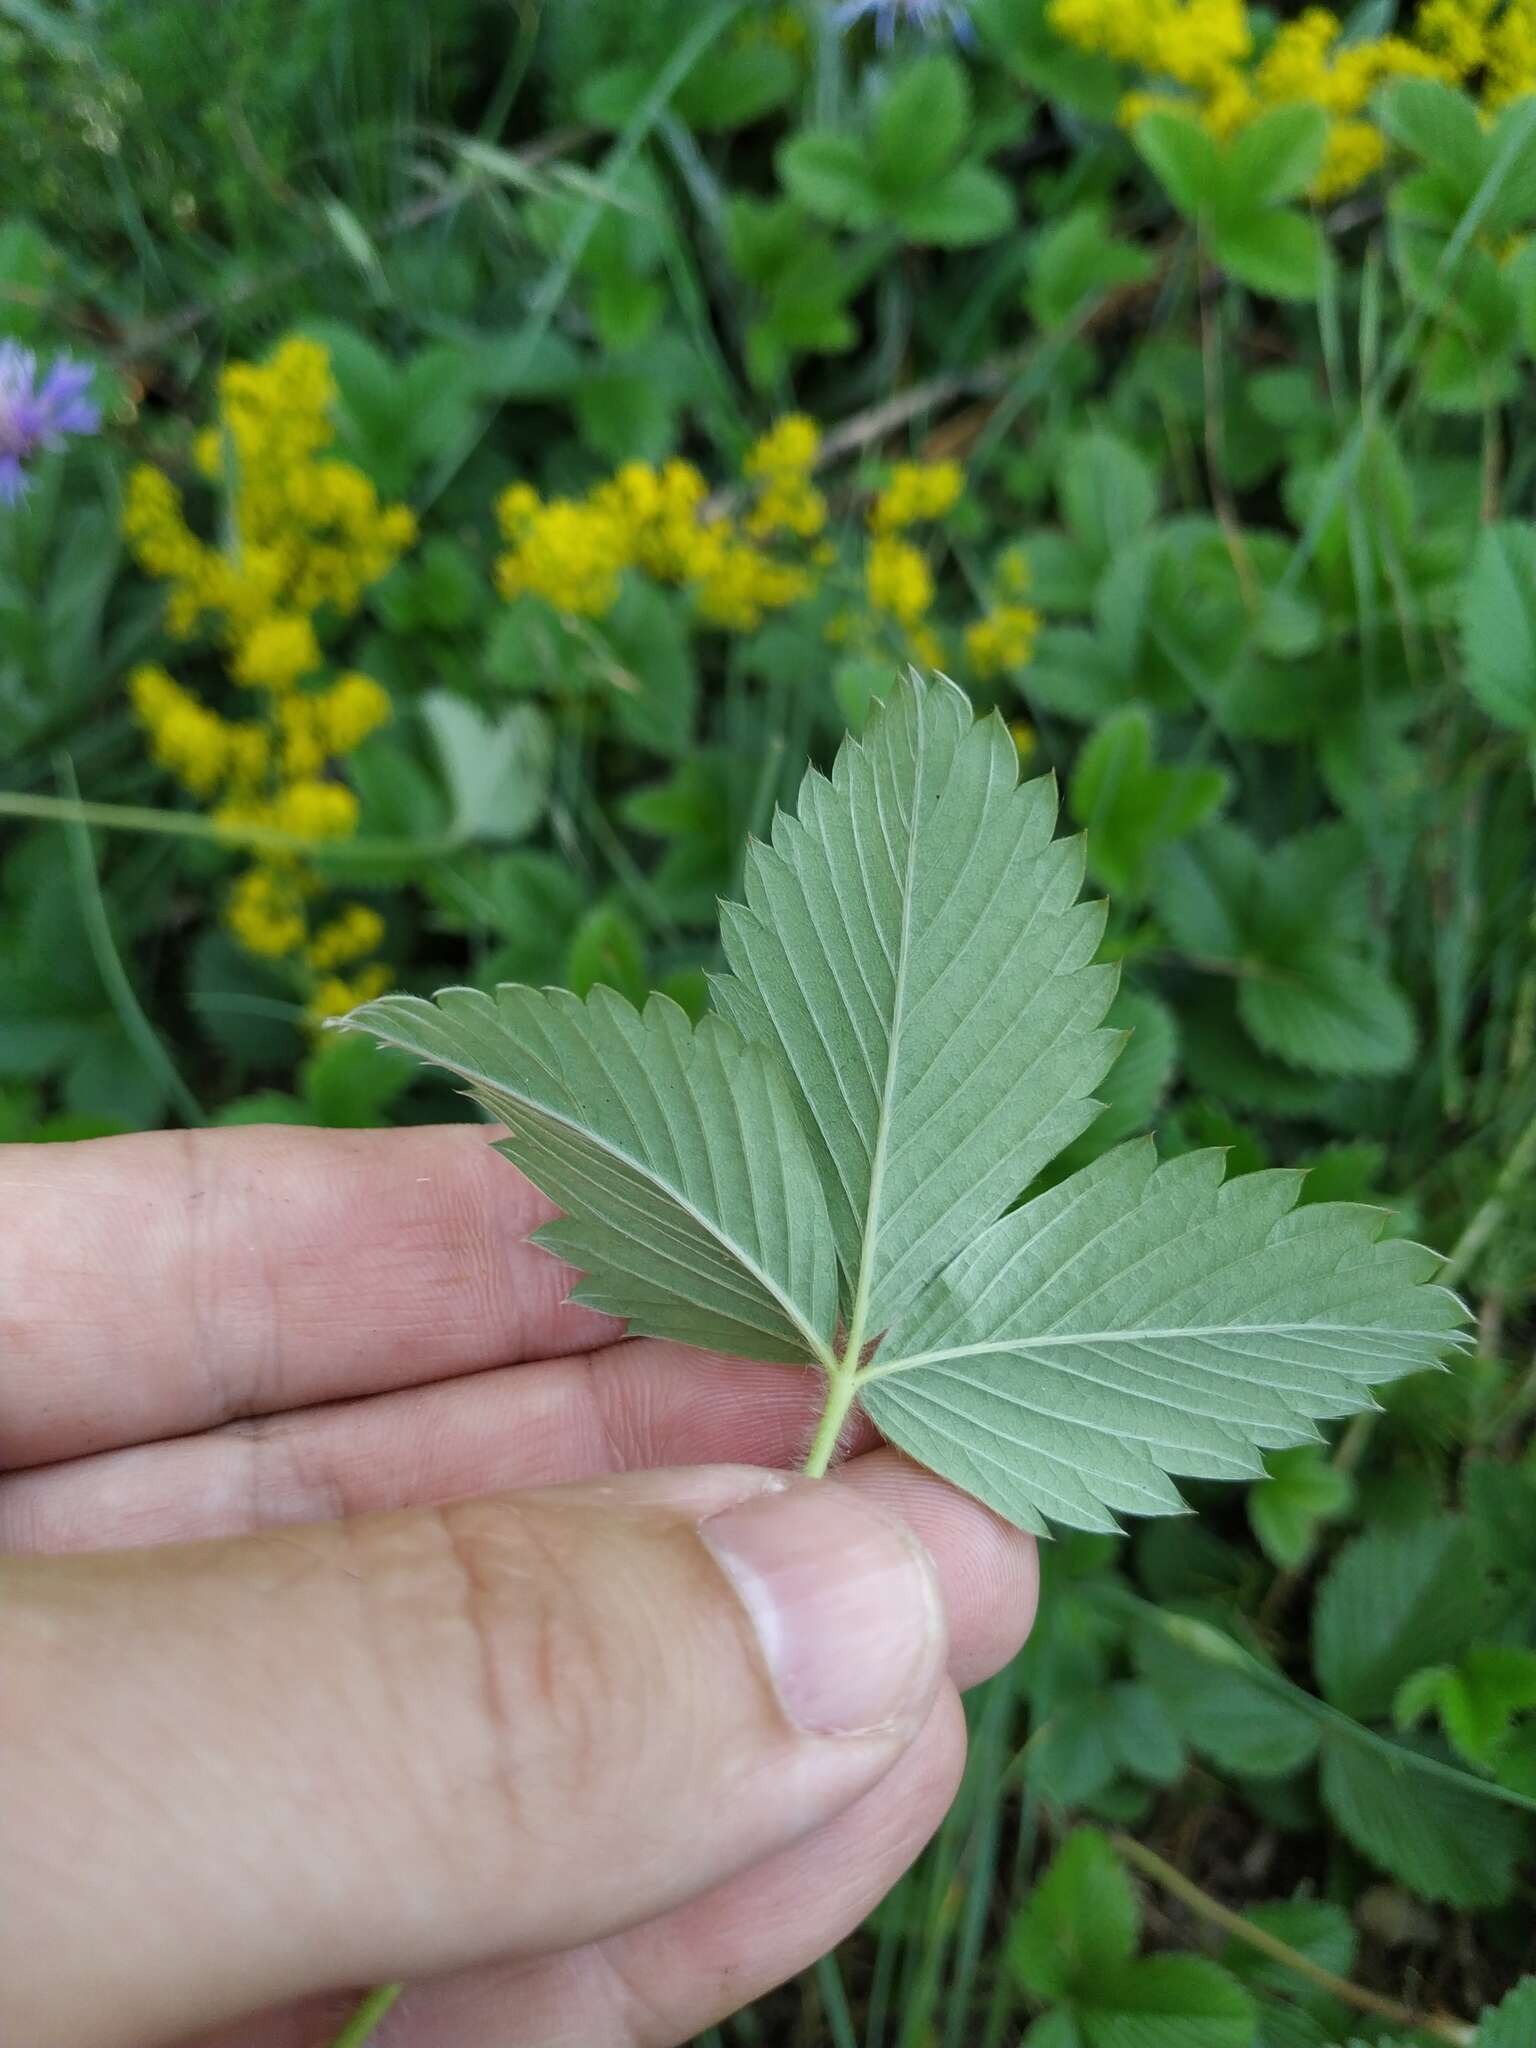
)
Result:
{"points": [[909, 1034], [913, 945], [1138, 1321], [691, 1202]]}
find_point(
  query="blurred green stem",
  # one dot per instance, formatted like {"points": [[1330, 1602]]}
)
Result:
{"points": [[62, 810], [1183, 1888], [119, 990], [367, 2016], [1490, 1213]]}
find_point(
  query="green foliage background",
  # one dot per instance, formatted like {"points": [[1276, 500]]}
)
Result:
{"points": [[1272, 468]]}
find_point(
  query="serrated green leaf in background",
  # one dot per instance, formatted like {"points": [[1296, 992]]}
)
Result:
{"points": [[920, 124], [606, 948], [829, 173], [1184, 158], [1275, 157], [1075, 262], [1393, 1600], [968, 204], [1440, 126], [1327, 1010], [1130, 805], [1476, 1700], [1231, 1719], [1168, 2001], [1498, 624], [1107, 489], [1300, 1491], [1443, 1841], [1280, 252], [1080, 1921]]}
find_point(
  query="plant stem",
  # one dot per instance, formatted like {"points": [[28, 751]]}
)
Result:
{"points": [[370, 2010], [1204, 1639], [842, 1385], [1198, 1901], [1469, 1246], [120, 992], [62, 810]]}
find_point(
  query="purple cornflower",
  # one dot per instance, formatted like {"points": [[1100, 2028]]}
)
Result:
{"points": [[922, 14], [37, 414]]}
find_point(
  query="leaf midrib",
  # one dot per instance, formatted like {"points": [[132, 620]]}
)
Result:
{"points": [[864, 1286], [1147, 1336]]}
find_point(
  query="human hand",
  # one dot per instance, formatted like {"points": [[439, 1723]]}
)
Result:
{"points": [[278, 1719]]}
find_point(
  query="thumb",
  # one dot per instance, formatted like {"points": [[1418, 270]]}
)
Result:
{"points": [[234, 1773]]}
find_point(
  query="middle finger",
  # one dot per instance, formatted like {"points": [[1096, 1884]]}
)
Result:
{"points": [[632, 1406]]}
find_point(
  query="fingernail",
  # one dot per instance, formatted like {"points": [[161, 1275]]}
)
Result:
{"points": [[844, 1602]]}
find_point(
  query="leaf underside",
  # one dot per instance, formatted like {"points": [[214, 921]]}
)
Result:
{"points": [[909, 1033], [913, 944], [1138, 1321], [691, 1202]]}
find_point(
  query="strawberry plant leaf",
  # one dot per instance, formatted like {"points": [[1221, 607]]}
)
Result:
{"points": [[1139, 1321], [909, 1034], [692, 1204], [1442, 1840], [912, 943]]}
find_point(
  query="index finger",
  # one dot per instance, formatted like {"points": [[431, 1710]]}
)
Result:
{"points": [[150, 1286]]}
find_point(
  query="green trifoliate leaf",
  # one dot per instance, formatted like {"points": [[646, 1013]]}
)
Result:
{"points": [[913, 945], [1076, 1941], [1080, 1921], [1139, 1321], [1169, 2001], [911, 1032], [691, 1200], [1330, 1012]]}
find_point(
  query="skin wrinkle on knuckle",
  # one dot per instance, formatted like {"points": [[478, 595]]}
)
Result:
{"points": [[462, 1215], [281, 1483], [540, 1674], [640, 2020], [234, 1297], [622, 1448]]}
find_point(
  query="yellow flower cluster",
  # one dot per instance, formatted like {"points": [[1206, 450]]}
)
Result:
{"points": [[780, 464], [897, 579], [916, 491], [573, 552], [1209, 48], [1003, 638], [309, 532], [307, 536], [898, 582], [204, 752], [741, 567]]}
